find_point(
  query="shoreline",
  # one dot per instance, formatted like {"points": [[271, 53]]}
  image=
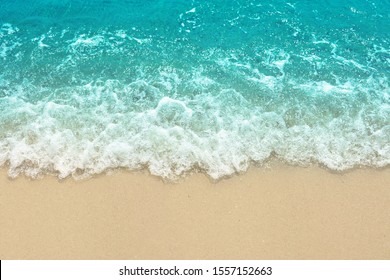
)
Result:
{"points": [[267, 165], [276, 212]]}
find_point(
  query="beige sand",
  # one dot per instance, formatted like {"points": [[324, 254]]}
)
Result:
{"points": [[278, 213]]}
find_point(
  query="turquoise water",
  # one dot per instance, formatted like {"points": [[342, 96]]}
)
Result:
{"points": [[176, 85]]}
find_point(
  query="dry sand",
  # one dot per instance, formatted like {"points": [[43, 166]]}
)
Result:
{"points": [[278, 213]]}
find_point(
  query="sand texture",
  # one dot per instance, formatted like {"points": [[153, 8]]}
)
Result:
{"points": [[281, 212]]}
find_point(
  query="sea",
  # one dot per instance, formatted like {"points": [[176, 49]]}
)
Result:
{"points": [[182, 86]]}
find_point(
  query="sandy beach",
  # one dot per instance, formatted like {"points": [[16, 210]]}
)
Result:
{"points": [[281, 212]]}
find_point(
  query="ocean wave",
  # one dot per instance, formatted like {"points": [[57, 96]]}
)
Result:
{"points": [[179, 86], [86, 130]]}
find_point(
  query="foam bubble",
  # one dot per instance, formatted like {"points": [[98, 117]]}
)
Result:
{"points": [[219, 132]]}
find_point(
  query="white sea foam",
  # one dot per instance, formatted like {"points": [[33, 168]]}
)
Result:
{"points": [[220, 133], [219, 114], [8, 41]]}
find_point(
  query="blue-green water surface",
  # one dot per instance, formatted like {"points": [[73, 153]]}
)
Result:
{"points": [[177, 85]]}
